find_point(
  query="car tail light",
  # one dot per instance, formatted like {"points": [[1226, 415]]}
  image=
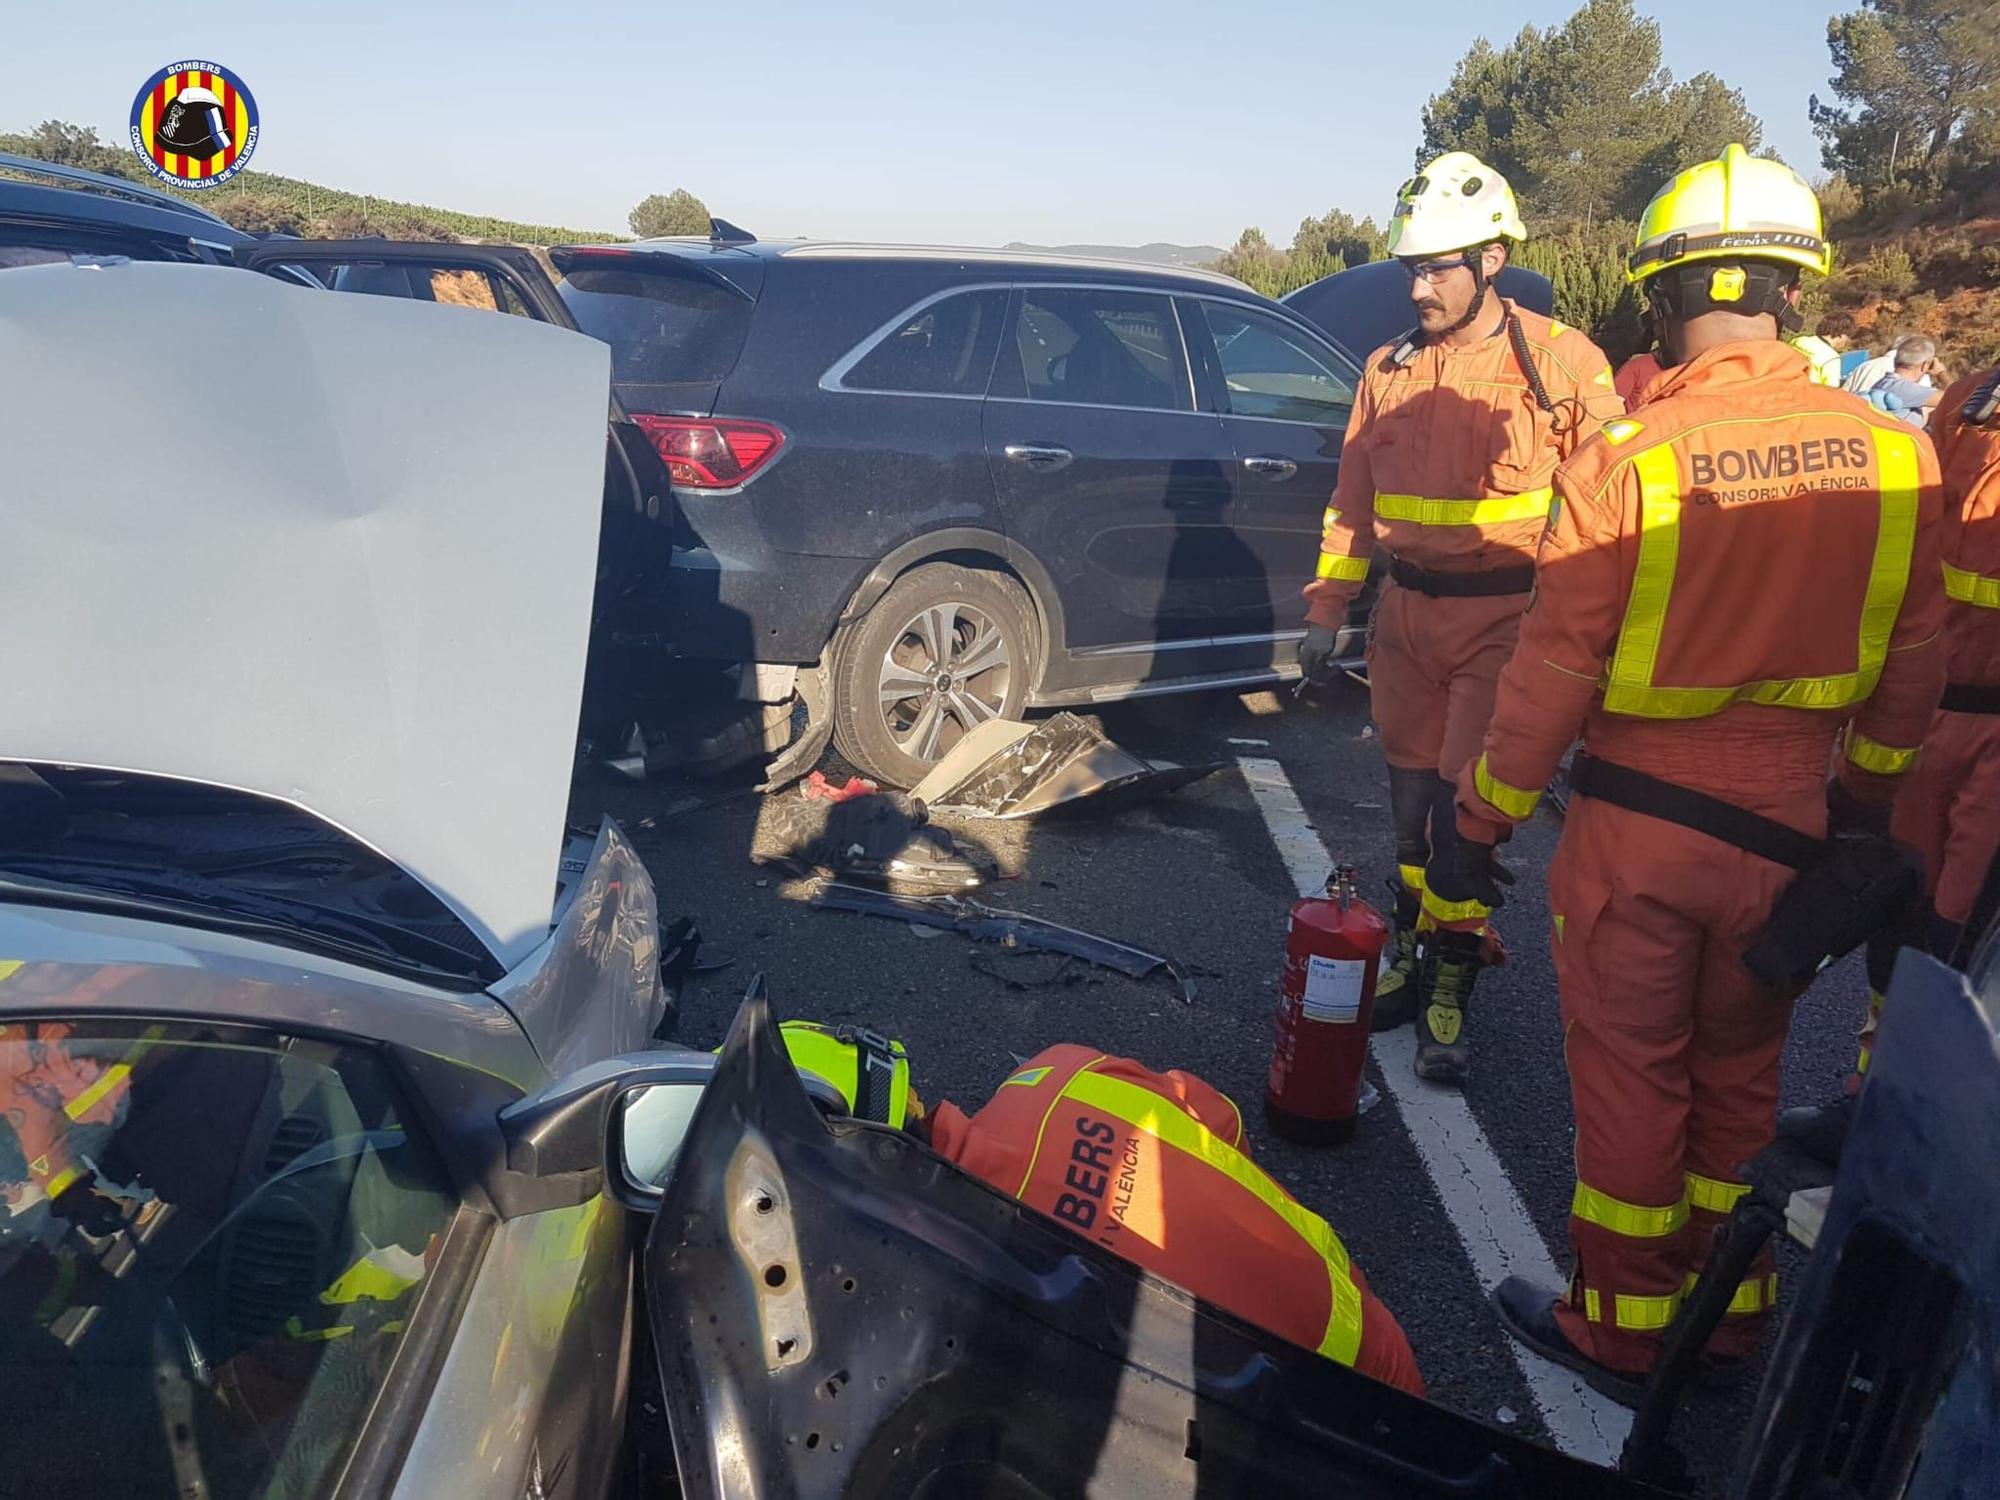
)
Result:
{"points": [[711, 453]]}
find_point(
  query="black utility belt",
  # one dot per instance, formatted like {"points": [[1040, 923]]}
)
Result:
{"points": [[1496, 581], [1847, 890], [1635, 791], [1970, 698]]}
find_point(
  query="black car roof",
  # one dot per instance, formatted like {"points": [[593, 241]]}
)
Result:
{"points": [[1006, 263], [73, 195]]}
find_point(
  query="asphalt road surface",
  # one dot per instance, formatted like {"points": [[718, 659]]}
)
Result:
{"points": [[1200, 875]]}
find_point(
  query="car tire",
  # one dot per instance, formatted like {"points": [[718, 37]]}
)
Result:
{"points": [[933, 624]]}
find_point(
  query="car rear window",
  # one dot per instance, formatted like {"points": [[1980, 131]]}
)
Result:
{"points": [[943, 349], [662, 325]]}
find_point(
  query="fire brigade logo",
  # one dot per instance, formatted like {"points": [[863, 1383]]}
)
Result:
{"points": [[194, 124]]}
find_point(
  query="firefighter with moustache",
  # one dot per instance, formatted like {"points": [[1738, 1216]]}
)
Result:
{"points": [[1456, 430], [1739, 577]]}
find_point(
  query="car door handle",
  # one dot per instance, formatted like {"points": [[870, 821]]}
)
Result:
{"points": [[1271, 466], [1044, 457]]}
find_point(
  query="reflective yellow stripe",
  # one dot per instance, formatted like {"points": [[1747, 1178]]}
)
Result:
{"points": [[367, 1280], [8, 967], [1349, 569], [1753, 1294], [1713, 1194], [1593, 1305], [1048, 1114], [1861, 1060], [1645, 1314], [112, 1076], [1872, 755], [1440, 910], [1628, 687], [1630, 675], [62, 1182], [1633, 1220], [1559, 927], [1154, 1115], [1895, 546], [1413, 877], [1028, 1078], [1971, 588], [1529, 505], [1512, 800]]}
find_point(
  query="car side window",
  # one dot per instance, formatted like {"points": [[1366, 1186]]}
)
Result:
{"points": [[1089, 346], [211, 1237], [1272, 371], [944, 349]]}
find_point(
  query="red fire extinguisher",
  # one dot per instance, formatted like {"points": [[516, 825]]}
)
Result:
{"points": [[1333, 948]]}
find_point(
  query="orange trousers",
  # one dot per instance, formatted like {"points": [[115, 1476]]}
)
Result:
{"points": [[1433, 669], [1950, 811], [1673, 1050]]}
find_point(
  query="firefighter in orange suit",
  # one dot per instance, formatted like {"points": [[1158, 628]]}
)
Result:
{"points": [[1950, 812], [1455, 432], [1149, 1165], [1743, 566]]}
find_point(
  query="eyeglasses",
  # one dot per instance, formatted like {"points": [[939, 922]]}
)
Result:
{"points": [[1433, 270]]}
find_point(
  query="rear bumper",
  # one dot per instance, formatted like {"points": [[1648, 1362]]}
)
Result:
{"points": [[761, 606]]}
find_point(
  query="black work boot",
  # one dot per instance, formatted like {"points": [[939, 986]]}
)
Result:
{"points": [[1396, 985], [1528, 1312], [1447, 969]]}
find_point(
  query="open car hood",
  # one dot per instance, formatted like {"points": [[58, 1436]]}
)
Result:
{"points": [[334, 550], [841, 1312]]}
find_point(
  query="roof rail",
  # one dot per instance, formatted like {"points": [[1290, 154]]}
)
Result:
{"points": [[114, 187]]}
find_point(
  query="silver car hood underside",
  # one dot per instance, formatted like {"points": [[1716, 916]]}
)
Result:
{"points": [[334, 549]]}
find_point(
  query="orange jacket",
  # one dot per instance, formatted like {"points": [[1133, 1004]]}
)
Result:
{"points": [[1456, 426], [44, 1089], [1736, 569], [1150, 1165], [1969, 455]]}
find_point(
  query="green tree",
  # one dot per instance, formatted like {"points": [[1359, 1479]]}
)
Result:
{"points": [[1581, 118], [678, 212], [1586, 267], [1912, 79], [68, 145], [1256, 262], [1338, 235]]}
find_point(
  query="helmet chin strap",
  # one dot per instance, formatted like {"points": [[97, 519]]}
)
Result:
{"points": [[1476, 264]]}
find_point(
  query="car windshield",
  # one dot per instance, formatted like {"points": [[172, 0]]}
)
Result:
{"points": [[187, 851], [211, 1239]]}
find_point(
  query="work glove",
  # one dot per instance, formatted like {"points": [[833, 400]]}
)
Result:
{"points": [[1847, 816], [1469, 871], [1316, 654]]}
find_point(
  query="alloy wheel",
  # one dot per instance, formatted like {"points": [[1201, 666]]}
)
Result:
{"points": [[947, 671]]}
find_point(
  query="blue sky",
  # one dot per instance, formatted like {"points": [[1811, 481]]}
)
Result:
{"points": [[1056, 122]]}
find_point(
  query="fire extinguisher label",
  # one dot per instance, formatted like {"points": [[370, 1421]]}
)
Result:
{"points": [[1333, 989]]}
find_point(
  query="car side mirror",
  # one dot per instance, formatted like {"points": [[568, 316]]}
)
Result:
{"points": [[578, 1137]]}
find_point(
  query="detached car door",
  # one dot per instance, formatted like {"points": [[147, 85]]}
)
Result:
{"points": [[631, 613], [840, 1312]]}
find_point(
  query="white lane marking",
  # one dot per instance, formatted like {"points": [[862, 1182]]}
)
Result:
{"points": [[1484, 1206]]}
